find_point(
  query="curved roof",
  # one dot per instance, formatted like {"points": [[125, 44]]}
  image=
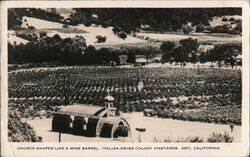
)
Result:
{"points": [[80, 110], [109, 98]]}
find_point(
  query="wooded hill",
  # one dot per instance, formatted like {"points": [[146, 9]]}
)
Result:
{"points": [[130, 19]]}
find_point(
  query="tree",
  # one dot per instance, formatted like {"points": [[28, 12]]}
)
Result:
{"points": [[190, 44], [238, 28], [200, 28], [171, 60], [148, 52], [167, 49], [180, 55], [65, 26], [105, 55], [90, 55], [42, 34], [194, 58], [115, 30], [203, 57], [122, 35], [49, 49], [14, 19], [167, 46], [190, 47], [224, 52], [231, 60], [186, 29], [100, 39], [131, 58]]}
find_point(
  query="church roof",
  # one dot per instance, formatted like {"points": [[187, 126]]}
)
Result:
{"points": [[82, 110], [109, 98]]}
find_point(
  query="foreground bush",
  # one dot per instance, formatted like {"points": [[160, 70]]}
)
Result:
{"points": [[19, 131], [218, 137], [214, 137]]}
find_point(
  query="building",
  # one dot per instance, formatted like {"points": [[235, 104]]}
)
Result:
{"points": [[123, 59], [156, 58], [91, 120], [140, 60]]}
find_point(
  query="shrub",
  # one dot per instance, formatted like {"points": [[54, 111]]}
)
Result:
{"points": [[31, 27], [224, 19], [19, 131], [42, 34], [200, 28], [196, 139], [167, 139], [87, 24], [187, 29], [65, 26], [101, 39], [122, 35], [120, 32], [218, 137]]}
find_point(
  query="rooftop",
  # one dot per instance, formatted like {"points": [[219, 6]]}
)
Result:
{"points": [[82, 110]]}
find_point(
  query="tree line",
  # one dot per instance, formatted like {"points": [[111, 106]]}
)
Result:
{"points": [[74, 51], [159, 19], [186, 50], [68, 51]]}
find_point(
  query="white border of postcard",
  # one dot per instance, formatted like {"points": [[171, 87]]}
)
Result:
{"points": [[231, 149]]}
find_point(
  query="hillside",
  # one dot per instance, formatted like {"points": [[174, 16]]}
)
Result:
{"points": [[39, 23], [141, 26], [157, 19], [218, 21], [89, 34], [12, 38]]}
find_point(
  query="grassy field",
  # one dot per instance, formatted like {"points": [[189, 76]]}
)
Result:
{"points": [[212, 38]]}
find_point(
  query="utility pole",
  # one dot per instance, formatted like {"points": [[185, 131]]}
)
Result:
{"points": [[59, 136], [198, 69], [140, 130]]}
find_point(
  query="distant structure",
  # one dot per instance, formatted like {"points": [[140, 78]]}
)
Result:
{"points": [[123, 59], [140, 60], [91, 120], [156, 58]]}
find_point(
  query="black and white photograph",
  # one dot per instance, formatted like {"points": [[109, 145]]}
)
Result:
{"points": [[125, 74]]}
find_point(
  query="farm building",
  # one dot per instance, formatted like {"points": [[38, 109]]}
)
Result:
{"points": [[123, 59], [140, 60], [156, 58], [91, 120]]}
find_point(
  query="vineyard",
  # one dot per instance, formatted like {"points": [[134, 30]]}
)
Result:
{"points": [[210, 95]]}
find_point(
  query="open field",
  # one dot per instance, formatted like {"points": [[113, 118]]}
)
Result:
{"points": [[201, 37], [216, 21], [170, 129], [89, 33]]}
